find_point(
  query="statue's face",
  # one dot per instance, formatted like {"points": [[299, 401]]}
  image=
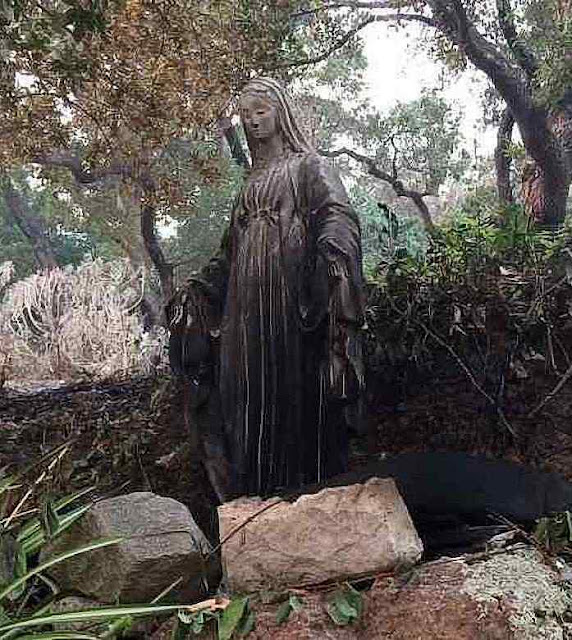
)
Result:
{"points": [[258, 116]]}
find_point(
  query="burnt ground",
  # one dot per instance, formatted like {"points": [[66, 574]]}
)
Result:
{"points": [[130, 435]]}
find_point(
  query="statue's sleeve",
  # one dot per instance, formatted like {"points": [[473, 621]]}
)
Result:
{"points": [[335, 234], [335, 231], [194, 312]]}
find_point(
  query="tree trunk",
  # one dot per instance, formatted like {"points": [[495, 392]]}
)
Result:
{"points": [[550, 180], [503, 160], [149, 233], [29, 224], [545, 186], [232, 139]]}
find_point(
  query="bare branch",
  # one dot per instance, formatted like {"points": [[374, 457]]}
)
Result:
{"points": [[389, 17], [74, 164], [553, 393], [398, 187], [332, 6]]}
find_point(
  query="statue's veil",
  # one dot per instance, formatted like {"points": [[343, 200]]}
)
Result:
{"points": [[291, 131]]}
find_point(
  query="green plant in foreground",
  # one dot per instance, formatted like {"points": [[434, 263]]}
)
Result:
{"points": [[23, 533], [293, 604], [345, 606]]}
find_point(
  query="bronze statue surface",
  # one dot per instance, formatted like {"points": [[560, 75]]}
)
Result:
{"points": [[285, 292]]}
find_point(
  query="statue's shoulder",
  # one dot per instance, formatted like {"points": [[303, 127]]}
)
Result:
{"points": [[313, 163]]}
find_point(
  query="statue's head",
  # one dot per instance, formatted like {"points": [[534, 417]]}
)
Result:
{"points": [[266, 110]]}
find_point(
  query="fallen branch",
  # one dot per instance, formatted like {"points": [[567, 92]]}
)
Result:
{"points": [[470, 375], [552, 394]]}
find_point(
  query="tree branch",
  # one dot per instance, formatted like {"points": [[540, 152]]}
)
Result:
{"points": [[508, 77], [521, 52], [31, 225], [339, 44], [398, 187], [350, 4], [74, 164], [149, 234]]}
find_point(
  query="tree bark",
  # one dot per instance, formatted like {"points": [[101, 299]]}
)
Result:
{"points": [[31, 225], [503, 160]]}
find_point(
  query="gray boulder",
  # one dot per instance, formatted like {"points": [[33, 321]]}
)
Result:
{"points": [[161, 544], [336, 534]]}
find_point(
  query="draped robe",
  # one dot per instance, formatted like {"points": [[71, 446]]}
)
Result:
{"points": [[286, 285]]}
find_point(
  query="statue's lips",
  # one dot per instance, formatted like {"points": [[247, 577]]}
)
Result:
{"points": [[259, 133]]}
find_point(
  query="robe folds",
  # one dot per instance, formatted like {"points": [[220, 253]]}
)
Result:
{"points": [[284, 291]]}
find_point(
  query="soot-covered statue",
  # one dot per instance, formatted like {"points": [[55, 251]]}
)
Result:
{"points": [[270, 325]]}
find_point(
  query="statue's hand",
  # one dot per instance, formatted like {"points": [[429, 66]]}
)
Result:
{"points": [[343, 382], [189, 318]]}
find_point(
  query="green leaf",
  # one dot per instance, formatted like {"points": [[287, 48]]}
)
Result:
{"points": [[355, 599], [345, 606], [198, 623], [36, 537], [247, 624], [4, 617], [296, 604], [336, 615], [64, 556], [283, 612], [231, 617], [49, 518], [58, 635], [91, 615]]}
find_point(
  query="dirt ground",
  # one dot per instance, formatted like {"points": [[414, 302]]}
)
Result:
{"points": [[130, 435]]}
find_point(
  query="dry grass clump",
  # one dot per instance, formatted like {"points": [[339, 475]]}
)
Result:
{"points": [[77, 323]]}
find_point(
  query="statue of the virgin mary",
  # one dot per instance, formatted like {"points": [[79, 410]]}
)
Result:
{"points": [[284, 291]]}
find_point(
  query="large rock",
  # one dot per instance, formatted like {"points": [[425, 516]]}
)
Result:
{"points": [[162, 543], [335, 534]]}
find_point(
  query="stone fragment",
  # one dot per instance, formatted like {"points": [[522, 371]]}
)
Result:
{"points": [[161, 543], [336, 534]]}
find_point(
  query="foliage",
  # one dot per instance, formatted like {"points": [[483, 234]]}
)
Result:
{"points": [[200, 224], [30, 518], [419, 140], [125, 77], [491, 301], [69, 245], [291, 605], [385, 237], [549, 32], [554, 533], [235, 620]]}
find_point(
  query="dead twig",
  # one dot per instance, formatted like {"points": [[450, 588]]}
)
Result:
{"points": [[552, 394], [243, 524], [470, 376]]}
